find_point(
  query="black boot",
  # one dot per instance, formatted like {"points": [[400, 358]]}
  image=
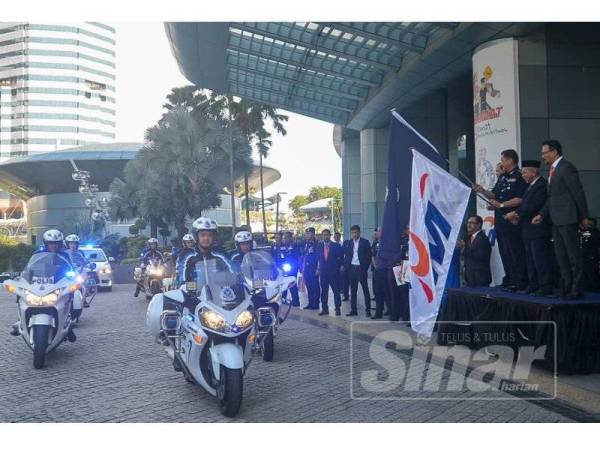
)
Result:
{"points": [[137, 291]]}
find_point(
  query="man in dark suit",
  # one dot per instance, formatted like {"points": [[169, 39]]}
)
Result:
{"points": [[536, 237], [566, 207], [476, 252], [357, 259], [331, 259], [310, 261]]}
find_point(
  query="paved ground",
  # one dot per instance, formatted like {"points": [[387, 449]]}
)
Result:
{"points": [[116, 373]]}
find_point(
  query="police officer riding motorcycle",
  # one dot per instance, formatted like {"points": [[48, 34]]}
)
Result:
{"points": [[244, 244], [207, 324], [187, 251], [54, 244], [87, 276], [151, 266]]}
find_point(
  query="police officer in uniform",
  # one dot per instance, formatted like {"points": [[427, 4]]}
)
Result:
{"points": [[505, 197], [380, 287], [287, 257], [310, 261]]}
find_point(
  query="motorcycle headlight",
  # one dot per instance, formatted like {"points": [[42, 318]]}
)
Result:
{"points": [[46, 300], [213, 320], [79, 279], [244, 320], [156, 271]]}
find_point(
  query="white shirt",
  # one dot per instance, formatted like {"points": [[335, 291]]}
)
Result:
{"points": [[555, 163], [355, 260], [474, 235], [533, 182]]}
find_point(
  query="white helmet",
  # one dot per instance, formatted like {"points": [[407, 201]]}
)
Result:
{"points": [[188, 237], [52, 236], [243, 236], [152, 241], [72, 238], [204, 223]]}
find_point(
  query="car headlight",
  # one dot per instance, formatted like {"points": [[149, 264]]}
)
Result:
{"points": [[46, 300], [105, 271], [244, 320], [213, 320]]}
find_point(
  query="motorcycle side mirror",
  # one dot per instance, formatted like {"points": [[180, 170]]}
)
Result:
{"points": [[111, 259]]}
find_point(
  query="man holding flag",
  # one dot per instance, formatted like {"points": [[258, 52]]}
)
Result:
{"points": [[432, 203]]}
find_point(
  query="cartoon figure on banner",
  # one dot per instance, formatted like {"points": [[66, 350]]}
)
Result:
{"points": [[486, 88]]}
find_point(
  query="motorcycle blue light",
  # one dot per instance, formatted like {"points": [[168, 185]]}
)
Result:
{"points": [[71, 274], [287, 267]]}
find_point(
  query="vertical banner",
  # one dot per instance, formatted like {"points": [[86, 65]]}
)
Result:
{"points": [[438, 202], [496, 120]]}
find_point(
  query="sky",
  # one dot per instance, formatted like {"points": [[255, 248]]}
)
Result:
{"points": [[146, 72]]}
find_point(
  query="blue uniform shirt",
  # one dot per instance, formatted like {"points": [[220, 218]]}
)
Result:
{"points": [[509, 185]]}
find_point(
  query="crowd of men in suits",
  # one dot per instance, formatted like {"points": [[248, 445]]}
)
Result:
{"points": [[332, 266], [541, 226]]}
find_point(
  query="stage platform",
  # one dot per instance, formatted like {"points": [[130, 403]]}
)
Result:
{"points": [[574, 350]]}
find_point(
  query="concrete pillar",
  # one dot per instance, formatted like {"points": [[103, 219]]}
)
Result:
{"points": [[373, 177], [351, 181]]}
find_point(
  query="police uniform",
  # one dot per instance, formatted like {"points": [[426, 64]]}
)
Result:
{"points": [[288, 253], [380, 287], [310, 260], [512, 252]]}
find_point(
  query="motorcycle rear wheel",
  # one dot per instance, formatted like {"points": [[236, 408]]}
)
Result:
{"points": [[229, 391], [40, 345]]}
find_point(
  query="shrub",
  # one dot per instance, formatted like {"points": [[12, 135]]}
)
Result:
{"points": [[14, 254]]}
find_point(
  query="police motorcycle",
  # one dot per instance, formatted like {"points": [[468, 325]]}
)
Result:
{"points": [[266, 283], [208, 328], [151, 281], [45, 297]]}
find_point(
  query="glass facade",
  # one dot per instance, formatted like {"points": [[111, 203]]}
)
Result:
{"points": [[57, 86]]}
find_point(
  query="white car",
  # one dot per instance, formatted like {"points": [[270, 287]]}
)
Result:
{"points": [[103, 268]]}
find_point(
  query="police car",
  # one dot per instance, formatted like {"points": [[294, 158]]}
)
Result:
{"points": [[103, 268]]}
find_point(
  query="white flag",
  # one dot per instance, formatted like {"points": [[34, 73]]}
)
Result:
{"points": [[437, 206]]}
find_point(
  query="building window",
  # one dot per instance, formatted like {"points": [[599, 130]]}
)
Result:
{"points": [[88, 95], [103, 98]]}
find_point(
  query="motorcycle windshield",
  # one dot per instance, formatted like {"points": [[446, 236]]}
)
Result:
{"points": [[259, 267], [46, 268], [218, 283]]}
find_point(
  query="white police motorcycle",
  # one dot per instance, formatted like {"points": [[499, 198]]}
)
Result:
{"points": [[208, 328], [47, 306], [266, 283]]}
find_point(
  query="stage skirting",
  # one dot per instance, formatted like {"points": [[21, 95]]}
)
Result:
{"points": [[577, 325]]}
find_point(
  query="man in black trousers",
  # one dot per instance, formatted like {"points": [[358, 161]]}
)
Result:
{"points": [[380, 284], [507, 196], [536, 237], [331, 259], [476, 251], [357, 259], [566, 207]]}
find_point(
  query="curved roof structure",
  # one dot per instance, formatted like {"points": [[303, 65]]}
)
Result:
{"points": [[50, 173], [347, 73]]}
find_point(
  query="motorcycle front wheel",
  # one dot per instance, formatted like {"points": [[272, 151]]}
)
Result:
{"points": [[268, 346], [40, 345], [229, 391]]}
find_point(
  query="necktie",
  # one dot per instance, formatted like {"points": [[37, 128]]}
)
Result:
{"points": [[551, 173], [326, 251]]}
